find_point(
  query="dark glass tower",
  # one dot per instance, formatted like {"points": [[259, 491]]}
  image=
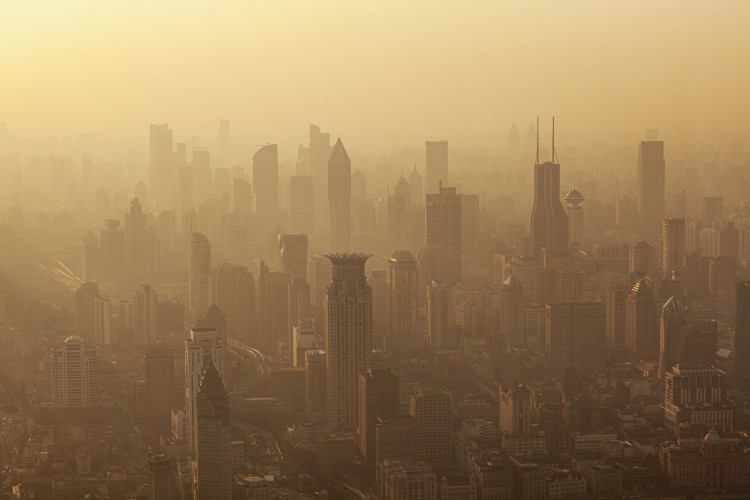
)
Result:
{"points": [[742, 336], [549, 223]]}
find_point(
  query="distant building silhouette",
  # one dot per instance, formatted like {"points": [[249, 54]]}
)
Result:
{"points": [[199, 282], [340, 198], [436, 166], [203, 346], [651, 184], [443, 234]]}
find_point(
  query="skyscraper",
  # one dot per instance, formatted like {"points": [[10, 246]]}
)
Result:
{"points": [[145, 316], [316, 380], [378, 397], [266, 186], [161, 163], [320, 151], [672, 245], [443, 234], [200, 275], [515, 410], [575, 218], [403, 286], [92, 314], [642, 259], [436, 165], [164, 481], [614, 301], [74, 369], [549, 223], [431, 410], [417, 188], [340, 197], [348, 335], [742, 336], [160, 378], [203, 347], [575, 338], [214, 437], [641, 323], [112, 239], [293, 251], [512, 313], [233, 290], [438, 313], [651, 182], [138, 260], [273, 306], [301, 204]]}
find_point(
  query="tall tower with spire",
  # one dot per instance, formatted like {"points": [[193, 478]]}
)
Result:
{"points": [[340, 197], [549, 223], [213, 452]]}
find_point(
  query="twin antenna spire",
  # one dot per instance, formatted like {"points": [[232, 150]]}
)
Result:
{"points": [[554, 153]]}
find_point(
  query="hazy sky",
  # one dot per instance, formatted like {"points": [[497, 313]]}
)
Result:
{"points": [[376, 69]]}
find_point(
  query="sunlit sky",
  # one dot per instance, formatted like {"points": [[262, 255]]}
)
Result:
{"points": [[379, 69]]}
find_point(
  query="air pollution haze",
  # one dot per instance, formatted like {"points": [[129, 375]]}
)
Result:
{"points": [[389, 250]]}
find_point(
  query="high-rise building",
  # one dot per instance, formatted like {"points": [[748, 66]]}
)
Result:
{"points": [[470, 212], [214, 437], [741, 373], [112, 241], [395, 437], [145, 316], [672, 245], [641, 323], [403, 286], [670, 324], [319, 151], [417, 188], [74, 368], [92, 314], [438, 313], [164, 482], [515, 410], [301, 204], [304, 338], [614, 304], [712, 209], [340, 197], [407, 480], [378, 397], [293, 251], [203, 346], [575, 218], [316, 380], [161, 162], [642, 259], [431, 410], [575, 338], [549, 223], [436, 165], [380, 302], [348, 335], [696, 394], [200, 275], [273, 306], [651, 183], [233, 291], [443, 234], [266, 186], [512, 313], [139, 249], [160, 378]]}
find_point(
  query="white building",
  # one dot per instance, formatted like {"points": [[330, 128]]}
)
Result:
{"points": [[204, 343]]}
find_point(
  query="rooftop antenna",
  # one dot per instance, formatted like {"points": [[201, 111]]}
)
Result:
{"points": [[537, 140], [553, 139]]}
